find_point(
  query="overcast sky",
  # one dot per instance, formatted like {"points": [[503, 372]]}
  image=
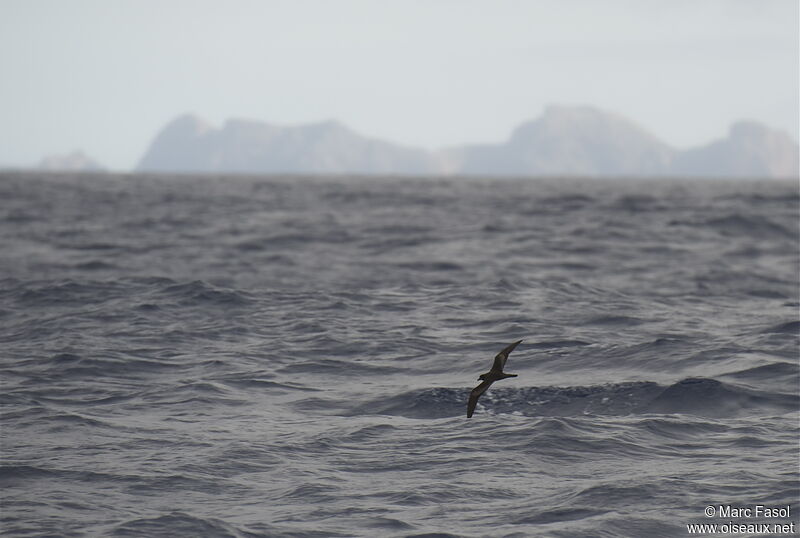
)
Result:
{"points": [[104, 76]]}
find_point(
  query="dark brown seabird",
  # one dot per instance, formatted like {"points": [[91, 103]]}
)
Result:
{"points": [[495, 374]]}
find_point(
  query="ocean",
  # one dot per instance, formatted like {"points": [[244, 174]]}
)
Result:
{"points": [[288, 356]]}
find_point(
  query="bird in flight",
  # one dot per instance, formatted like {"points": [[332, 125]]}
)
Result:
{"points": [[495, 374]]}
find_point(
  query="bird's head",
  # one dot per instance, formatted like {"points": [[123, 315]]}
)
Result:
{"points": [[481, 377]]}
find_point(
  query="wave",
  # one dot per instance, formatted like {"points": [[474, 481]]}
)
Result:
{"points": [[179, 524], [13, 475], [430, 266], [556, 344], [158, 291], [64, 292], [790, 327], [741, 225], [615, 320], [695, 396], [95, 265], [193, 393], [334, 367], [200, 292], [709, 397]]}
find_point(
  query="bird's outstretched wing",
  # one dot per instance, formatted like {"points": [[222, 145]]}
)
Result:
{"points": [[474, 395], [502, 357]]}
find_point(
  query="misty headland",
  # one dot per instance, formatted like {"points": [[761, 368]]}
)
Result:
{"points": [[579, 141]]}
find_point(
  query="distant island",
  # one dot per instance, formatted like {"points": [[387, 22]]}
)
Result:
{"points": [[75, 161], [564, 141], [575, 141]]}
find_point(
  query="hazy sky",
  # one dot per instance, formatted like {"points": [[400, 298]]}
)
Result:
{"points": [[104, 76]]}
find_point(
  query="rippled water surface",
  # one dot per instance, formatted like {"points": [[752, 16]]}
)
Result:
{"points": [[199, 356]]}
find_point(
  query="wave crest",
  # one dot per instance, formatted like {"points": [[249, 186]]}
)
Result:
{"points": [[696, 396]]}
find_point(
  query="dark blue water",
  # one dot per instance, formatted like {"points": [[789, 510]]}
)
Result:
{"points": [[195, 356]]}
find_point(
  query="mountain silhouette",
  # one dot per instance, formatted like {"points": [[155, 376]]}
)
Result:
{"points": [[575, 141]]}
